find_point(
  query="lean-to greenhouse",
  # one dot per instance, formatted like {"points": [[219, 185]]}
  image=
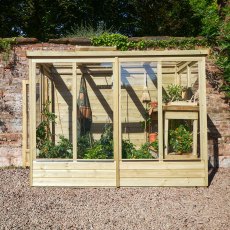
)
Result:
{"points": [[117, 118]]}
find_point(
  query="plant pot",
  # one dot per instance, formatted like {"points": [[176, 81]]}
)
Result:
{"points": [[153, 107], [152, 137], [153, 104]]}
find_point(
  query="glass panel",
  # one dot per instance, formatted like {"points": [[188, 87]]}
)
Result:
{"points": [[180, 109], [95, 111], [54, 129], [139, 110]]}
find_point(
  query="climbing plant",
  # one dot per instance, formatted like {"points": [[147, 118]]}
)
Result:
{"points": [[44, 138]]}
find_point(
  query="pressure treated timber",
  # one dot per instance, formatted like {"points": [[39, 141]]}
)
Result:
{"points": [[70, 165], [173, 53], [25, 155], [203, 117], [32, 100], [160, 112], [116, 121], [183, 173], [80, 173], [78, 182], [179, 114], [95, 48], [74, 109], [162, 182], [139, 173], [162, 172], [180, 107], [182, 157], [155, 165], [147, 173], [48, 173]]}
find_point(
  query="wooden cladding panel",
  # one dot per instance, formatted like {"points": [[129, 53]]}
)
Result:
{"points": [[141, 182], [139, 173], [74, 174], [80, 173], [150, 165], [65, 165], [162, 173], [146, 173], [78, 182]]}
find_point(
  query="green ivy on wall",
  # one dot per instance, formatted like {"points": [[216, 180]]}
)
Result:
{"points": [[122, 42], [5, 48]]}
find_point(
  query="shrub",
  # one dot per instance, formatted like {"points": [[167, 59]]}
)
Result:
{"points": [[106, 39]]}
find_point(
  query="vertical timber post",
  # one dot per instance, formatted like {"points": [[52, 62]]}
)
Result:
{"points": [[24, 122], [116, 119], [160, 111], [32, 106], [203, 116], [74, 109]]}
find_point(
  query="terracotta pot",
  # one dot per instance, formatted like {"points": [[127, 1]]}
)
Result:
{"points": [[153, 104], [152, 137]]}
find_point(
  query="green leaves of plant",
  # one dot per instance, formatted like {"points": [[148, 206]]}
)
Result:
{"points": [[44, 143], [180, 139]]}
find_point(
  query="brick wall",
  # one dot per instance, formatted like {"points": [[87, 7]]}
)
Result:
{"points": [[11, 106], [11, 77], [218, 119]]}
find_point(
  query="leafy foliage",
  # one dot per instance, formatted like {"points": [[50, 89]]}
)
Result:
{"points": [[174, 93], [155, 145], [180, 139], [106, 39], [223, 60], [44, 19], [63, 149], [84, 142], [173, 18], [172, 43], [208, 12], [128, 149], [142, 153], [103, 148], [47, 148], [96, 152], [5, 48], [122, 42]]}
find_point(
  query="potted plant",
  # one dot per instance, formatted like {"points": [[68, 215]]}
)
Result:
{"points": [[176, 95], [149, 126], [180, 139]]}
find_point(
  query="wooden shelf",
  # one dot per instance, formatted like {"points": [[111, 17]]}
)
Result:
{"points": [[180, 108], [185, 156], [188, 107]]}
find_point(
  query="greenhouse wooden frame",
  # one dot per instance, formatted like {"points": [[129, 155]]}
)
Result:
{"points": [[118, 172]]}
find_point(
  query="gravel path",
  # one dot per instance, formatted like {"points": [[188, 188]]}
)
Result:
{"points": [[23, 207]]}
